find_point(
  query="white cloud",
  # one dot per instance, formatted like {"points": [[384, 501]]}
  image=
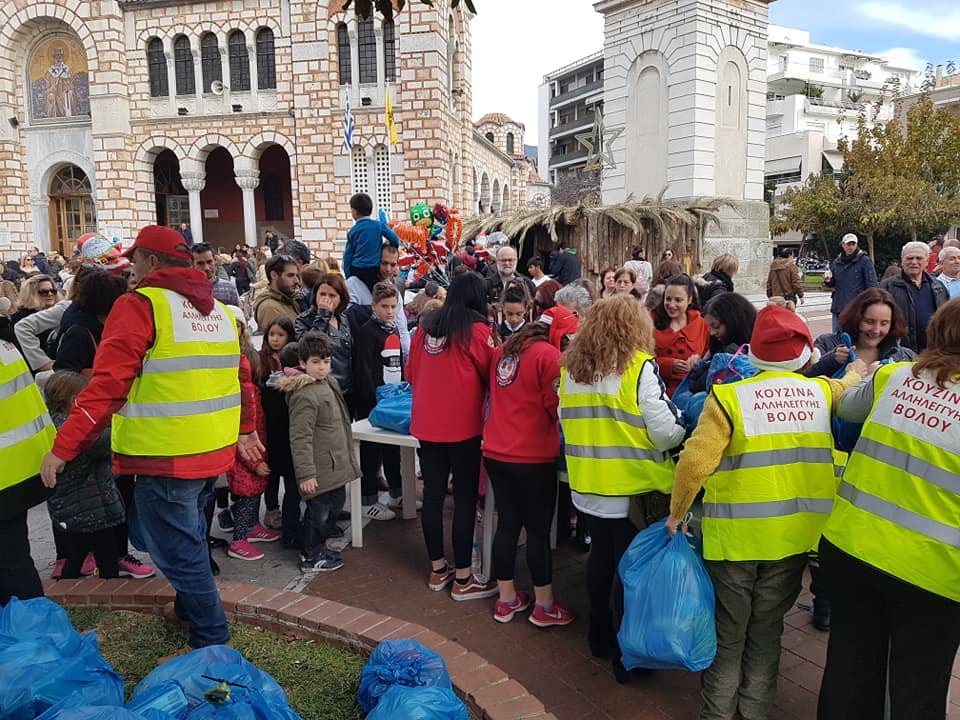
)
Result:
{"points": [[902, 57], [941, 21]]}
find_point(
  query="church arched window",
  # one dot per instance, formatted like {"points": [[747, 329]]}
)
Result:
{"points": [[183, 66], [157, 68]]}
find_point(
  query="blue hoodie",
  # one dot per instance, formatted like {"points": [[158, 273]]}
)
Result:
{"points": [[364, 242]]}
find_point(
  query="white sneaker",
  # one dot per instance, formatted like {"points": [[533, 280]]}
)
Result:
{"points": [[378, 512], [396, 503]]}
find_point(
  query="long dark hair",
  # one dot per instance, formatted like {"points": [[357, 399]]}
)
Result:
{"points": [[267, 365], [465, 305], [738, 315], [661, 321], [525, 337]]}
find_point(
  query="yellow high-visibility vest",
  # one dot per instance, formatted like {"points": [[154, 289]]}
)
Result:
{"points": [[606, 445], [773, 491], [186, 400], [898, 507], [26, 431]]}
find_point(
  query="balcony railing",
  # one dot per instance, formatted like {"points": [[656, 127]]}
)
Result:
{"points": [[569, 156], [577, 92], [580, 122]]}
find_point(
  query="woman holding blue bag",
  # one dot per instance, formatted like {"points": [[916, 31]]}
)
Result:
{"points": [[619, 427], [763, 450]]}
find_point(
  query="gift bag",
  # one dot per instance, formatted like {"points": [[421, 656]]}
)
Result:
{"points": [[393, 409]]}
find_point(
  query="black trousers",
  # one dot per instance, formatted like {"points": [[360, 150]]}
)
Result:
{"points": [[370, 276], [437, 460], [125, 486], [316, 522], [526, 494], [103, 545], [372, 455], [881, 625], [18, 576], [609, 540]]}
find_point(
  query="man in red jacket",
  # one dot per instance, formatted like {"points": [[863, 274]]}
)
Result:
{"points": [[162, 372]]}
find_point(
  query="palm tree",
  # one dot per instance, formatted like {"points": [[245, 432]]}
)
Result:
{"points": [[388, 7]]}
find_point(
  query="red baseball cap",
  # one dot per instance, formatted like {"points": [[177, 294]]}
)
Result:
{"points": [[161, 240]]}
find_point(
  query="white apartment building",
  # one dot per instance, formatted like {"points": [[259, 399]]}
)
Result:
{"points": [[814, 96]]}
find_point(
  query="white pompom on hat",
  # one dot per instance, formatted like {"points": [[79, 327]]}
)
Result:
{"points": [[781, 341]]}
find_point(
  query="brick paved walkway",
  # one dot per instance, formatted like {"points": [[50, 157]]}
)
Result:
{"points": [[388, 576]]}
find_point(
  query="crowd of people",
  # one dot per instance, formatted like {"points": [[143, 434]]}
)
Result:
{"points": [[160, 421]]}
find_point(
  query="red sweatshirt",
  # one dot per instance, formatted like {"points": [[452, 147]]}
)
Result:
{"points": [[449, 385], [127, 335], [692, 339], [522, 426]]}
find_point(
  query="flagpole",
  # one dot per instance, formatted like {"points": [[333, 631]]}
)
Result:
{"points": [[349, 144], [390, 124]]}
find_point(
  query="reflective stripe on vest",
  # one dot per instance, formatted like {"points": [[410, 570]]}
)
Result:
{"points": [[186, 400], [607, 448], [898, 507], [773, 489], [26, 431]]}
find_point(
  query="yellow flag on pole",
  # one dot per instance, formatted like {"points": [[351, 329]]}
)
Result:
{"points": [[391, 125]]}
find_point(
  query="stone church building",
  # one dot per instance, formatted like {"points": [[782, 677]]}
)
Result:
{"points": [[229, 115]]}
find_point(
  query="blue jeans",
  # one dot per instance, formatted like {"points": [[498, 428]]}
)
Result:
{"points": [[168, 522], [316, 523]]}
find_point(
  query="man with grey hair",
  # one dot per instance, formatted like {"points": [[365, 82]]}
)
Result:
{"points": [[916, 293], [506, 272], [849, 274], [950, 269]]}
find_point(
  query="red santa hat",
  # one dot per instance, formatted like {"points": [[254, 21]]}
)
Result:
{"points": [[562, 322], [781, 341]]}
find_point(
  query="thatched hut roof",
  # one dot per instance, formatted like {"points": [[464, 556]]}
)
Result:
{"points": [[655, 223]]}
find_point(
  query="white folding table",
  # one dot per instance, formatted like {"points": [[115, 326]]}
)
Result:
{"points": [[363, 431]]}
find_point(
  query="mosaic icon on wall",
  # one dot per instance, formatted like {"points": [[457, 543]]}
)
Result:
{"points": [[59, 82]]}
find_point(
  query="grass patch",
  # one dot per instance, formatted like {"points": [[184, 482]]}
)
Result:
{"points": [[320, 680]]}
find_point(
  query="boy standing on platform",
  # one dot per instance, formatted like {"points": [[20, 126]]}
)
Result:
{"points": [[361, 256]]}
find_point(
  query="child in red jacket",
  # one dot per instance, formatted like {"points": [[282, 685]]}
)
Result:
{"points": [[247, 482]]}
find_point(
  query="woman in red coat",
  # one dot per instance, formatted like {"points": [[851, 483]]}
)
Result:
{"points": [[681, 335]]}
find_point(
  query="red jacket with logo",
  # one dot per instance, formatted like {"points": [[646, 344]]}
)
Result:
{"points": [[449, 385], [127, 335], [522, 425]]}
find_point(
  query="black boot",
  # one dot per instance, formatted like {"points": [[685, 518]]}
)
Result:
{"points": [[602, 637], [821, 614]]}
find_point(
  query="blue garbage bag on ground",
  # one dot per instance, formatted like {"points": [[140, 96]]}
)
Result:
{"points": [[255, 695], [37, 618], [393, 409], [71, 711], [402, 662], [43, 661], [669, 604], [419, 703]]}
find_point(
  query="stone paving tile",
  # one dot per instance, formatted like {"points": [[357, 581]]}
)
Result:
{"points": [[388, 576]]}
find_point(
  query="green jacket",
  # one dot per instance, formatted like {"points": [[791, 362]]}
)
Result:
{"points": [[320, 437]]}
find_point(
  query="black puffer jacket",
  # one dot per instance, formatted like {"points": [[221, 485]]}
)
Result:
{"points": [[712, 284], [86, 498], [77, 340], [341, 339]]}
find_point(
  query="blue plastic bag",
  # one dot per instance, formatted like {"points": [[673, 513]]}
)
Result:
{"points": [[393, 409], [669, 604], [254, 694], [38, 618], [43, 661], [402, 662], [724, 368], [420, 703]]}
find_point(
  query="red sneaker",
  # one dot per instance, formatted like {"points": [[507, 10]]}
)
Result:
{"points": [[557, 615], [505, 611], [57, 569], [262, 534], [89, 566], [243, 550], [132, 567]]}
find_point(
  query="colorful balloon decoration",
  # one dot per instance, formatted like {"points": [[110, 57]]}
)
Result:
{"points": [[95, 249]]}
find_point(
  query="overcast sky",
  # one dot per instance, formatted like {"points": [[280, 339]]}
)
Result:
{"points": [[516, 42]]}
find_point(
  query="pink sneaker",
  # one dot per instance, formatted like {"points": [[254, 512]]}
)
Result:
{"points": [[557, 615], [89, 566], [243, 550], [262, 534], [505, 611], [57, 569], [131, 567]]}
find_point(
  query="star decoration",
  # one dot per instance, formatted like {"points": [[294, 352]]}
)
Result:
{"points": [[599, 144]]}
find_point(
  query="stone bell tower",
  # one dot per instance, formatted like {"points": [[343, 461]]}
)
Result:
{"points": [[685, 86]]}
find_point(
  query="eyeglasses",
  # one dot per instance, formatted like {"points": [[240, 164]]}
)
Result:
{"points": [[46, 293]]}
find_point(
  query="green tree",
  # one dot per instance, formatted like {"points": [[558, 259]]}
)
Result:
{"points": [[897, 180]]}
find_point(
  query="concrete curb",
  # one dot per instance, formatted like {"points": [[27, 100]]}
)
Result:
{"points": [[487, 690]]}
